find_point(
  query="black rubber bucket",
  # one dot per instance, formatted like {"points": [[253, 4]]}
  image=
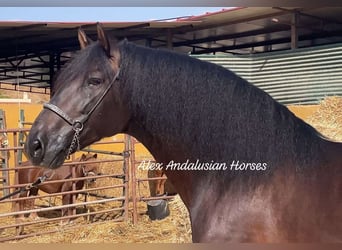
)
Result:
{"points": [[158, 209]]}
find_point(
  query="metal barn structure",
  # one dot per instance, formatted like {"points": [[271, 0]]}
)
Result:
{"points": [[31, 52]]}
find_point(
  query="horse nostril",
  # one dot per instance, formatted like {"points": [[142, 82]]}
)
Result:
{"points": [[37, 148]]}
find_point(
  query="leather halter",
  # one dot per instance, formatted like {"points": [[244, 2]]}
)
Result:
{"points": [[78, 124]]}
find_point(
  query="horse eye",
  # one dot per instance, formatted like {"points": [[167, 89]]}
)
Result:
{"points": [[94, 81]]}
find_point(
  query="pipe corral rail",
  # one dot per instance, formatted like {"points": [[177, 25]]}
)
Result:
{"points": [[114, 197]]}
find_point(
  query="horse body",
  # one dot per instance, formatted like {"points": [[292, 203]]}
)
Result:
{"points": [[295, 202], [30, 175], [289, 207], [282, 180]]}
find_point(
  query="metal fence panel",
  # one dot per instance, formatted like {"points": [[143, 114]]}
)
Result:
{"points": [[301, 76]]}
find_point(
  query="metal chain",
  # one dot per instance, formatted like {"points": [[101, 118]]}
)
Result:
{"points": [[75, 140]]}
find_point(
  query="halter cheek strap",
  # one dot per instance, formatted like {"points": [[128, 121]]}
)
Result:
{"points": [[78, 124]]}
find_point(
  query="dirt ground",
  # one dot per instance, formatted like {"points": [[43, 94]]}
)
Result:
{"points": [[327, 119]]}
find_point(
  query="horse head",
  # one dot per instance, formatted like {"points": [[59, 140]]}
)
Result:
{"points": [[91, 169], [85, 96]]}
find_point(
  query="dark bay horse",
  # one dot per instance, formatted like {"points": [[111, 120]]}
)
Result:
{"points": [[29, 175], [247, 169]]}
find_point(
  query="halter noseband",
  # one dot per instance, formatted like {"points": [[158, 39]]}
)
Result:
{"points": [[78, 124]]}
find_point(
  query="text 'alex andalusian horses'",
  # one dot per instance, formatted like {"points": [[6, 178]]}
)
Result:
{"points": [[247, 169]]}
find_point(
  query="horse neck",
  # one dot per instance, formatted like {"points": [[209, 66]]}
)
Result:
{"points": [[164, 154], [253, 123], [167, 105], [79, 170]]}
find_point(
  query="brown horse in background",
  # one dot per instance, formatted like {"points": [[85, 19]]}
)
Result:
{"points": [[160, 187], [30, 175]]}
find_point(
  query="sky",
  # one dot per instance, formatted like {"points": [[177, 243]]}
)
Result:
{"points": [[101, 14]]}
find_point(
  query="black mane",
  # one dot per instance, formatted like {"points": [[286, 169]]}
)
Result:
{"points": [[210, 112]]}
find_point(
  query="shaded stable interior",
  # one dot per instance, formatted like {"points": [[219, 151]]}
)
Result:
{"points": [[31, 52]]}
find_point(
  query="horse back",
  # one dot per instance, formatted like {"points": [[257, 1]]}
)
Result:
{"points": [[308, 202], [30, 175]]}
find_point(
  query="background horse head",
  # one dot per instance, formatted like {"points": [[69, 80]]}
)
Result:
{"points": [[280, 181]]}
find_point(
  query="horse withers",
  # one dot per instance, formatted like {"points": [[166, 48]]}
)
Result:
{"points": [[246, 168], [62, 174]]}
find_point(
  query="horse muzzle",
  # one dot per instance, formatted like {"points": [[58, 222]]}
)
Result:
{"points": [[92, 180], [37, 150], [45, 151]]}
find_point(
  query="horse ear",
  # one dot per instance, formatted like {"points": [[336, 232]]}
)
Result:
{"points": [[83, 157], [103, 39], [83, 39]]}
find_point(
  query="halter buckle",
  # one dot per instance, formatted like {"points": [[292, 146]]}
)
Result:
{"points": [[77, 126]]}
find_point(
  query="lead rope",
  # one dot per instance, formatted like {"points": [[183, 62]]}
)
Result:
{"points": [[39, 180]]}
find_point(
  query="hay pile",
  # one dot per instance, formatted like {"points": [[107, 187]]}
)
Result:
{"points": [[173, 229], [328, 118]]}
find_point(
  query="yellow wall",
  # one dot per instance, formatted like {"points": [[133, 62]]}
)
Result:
{"points": [[12, 114]]}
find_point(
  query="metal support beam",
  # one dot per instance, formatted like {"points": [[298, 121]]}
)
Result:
{"points": [[191, 28], [23, 68], [148, 43], [58, 60], [51, 67], [294, 31], [169, 38], [269, 42], [136, 26], [275, 28], [25, 27], [299, 11]]}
